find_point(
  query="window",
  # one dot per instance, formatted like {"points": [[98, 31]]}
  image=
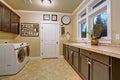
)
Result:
{"points": [[96, 12], [83, 30], [101, 19], [99, 3]]}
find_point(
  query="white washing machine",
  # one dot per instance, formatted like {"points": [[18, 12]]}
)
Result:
{"points": [[27, 51], [12, 58]]}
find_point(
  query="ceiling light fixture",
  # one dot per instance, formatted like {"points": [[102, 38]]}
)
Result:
{"points": [[46, 2]]}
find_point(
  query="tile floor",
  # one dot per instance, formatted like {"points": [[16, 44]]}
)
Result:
{"points": [[45, 69]]}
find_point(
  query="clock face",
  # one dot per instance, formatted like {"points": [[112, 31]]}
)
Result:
{"points": [[65, 20]]}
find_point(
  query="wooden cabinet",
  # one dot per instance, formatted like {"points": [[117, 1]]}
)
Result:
{"points": [[67, 53], [15, 23], [99, 71], [71, 55], [74, 52], [9, 21], [6, 19], [1, 15], [84, 67], [115, 69], [1, 10], [93, 67]]}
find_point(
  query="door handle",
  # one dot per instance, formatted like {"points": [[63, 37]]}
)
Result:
{"points": [[56, 42]]}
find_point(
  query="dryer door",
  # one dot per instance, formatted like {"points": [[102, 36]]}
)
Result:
{"points": [[28, 50], [21, 55]]}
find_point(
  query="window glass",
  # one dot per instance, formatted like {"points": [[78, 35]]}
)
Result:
{"points": [[83, 30], [101, 19], [99, 3]]}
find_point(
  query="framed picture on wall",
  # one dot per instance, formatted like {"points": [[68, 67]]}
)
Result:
{"points": [[29, 30], [46, 17], [54, 17]]}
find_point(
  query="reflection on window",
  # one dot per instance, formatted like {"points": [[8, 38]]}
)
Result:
{"points": [[102, 20], [102, 1], [83, 30]]}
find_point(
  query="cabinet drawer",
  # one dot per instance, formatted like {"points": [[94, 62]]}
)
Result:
{"points": [[96, 56], [74, 49], [102, 58]]}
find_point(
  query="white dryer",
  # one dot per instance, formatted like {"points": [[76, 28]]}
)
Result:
{"points": [[12, 58]]}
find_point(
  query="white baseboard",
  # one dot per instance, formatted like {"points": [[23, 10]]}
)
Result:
{"points": [[31, 58]]}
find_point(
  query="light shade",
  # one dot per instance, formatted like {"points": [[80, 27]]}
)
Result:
{"points": [[46, 2]]}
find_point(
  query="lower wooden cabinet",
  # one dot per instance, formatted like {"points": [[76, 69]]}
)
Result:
{"points": [[75, 60], [66, 53], [99, 71], [70, 55], [84, 67], [92, 66]]}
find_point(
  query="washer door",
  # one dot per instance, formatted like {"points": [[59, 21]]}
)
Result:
{"points": [[21, 55], [28, 50]]}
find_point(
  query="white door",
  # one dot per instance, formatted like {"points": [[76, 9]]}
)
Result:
{"points": [[49, 40]]}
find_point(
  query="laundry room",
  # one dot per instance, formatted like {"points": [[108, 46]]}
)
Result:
{"points": [[59, 40]]}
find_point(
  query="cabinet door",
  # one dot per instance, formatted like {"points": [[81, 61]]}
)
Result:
{"points": [[75, 60], [64, 51], [6, 20], [70, 56], [100, 71], [67, 53], [14, 23], [1, 15], [84, 67]]}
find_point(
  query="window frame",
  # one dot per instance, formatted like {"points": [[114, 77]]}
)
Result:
{"points": [[79, 31], [90, 13]]}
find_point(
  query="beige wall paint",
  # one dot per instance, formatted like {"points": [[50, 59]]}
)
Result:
{"points": [[74, 22], [115, 19], [35, 17]]}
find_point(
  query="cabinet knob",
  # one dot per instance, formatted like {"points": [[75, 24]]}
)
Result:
{"points": [[56, 42]]}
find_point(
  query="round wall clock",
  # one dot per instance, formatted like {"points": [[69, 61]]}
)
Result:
{"points": [[65, 20]]}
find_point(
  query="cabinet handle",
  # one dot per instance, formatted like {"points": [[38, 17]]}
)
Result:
{"points": [[88, 61], [71, 52]]}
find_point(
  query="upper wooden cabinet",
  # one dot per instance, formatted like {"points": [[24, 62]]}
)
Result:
{"points": [[1, 10], [9, 21], [6, 19], [15, 23]]}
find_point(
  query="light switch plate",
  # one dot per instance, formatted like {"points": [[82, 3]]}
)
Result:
{"points": [[117, 36]]}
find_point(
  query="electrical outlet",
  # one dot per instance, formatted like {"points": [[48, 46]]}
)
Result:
{"points": [[117, 36]]}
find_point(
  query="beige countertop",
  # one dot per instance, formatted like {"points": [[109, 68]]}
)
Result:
{"points": [[105, 50]]}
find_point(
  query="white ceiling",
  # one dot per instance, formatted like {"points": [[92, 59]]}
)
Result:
{"points": [[64, 6]]}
